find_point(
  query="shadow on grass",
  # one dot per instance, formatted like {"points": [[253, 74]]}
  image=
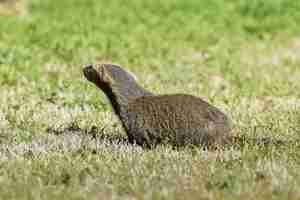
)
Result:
{"points": [[94, 132], [238, 143]]}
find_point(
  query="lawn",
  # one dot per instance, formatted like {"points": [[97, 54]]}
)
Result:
{"points": [[59, 138]]}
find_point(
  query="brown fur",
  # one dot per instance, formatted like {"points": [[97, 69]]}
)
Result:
{"points": [[150, 119]]}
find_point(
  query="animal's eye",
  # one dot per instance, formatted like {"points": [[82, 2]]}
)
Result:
{"points": [[132, 75]]}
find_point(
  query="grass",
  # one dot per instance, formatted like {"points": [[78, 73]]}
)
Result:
{"points": [[60, 140]]}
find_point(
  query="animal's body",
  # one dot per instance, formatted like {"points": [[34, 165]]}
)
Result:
{"points": [[150, 119], [177, 119]]}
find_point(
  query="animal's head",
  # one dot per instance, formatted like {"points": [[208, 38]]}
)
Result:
{"points": [[107, 75]]}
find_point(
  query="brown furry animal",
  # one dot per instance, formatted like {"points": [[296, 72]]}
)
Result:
{"points": [[150, 119]]}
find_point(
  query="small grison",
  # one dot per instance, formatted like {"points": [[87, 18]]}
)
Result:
{"points": [[150, 119]]}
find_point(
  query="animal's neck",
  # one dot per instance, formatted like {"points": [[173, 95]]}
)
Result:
{"points": [[120, 95]]}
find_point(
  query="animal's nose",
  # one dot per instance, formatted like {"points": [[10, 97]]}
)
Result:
{"points": [[87, 70], [88, 66]]}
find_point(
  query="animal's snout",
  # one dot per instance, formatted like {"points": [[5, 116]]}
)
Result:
{"points": [[89, 71], [88, 68]]}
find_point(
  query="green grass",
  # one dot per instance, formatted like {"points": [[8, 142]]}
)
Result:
{"points": [[60, 140]]}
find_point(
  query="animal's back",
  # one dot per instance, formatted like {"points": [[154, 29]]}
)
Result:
{"points": [[177, 119]]}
